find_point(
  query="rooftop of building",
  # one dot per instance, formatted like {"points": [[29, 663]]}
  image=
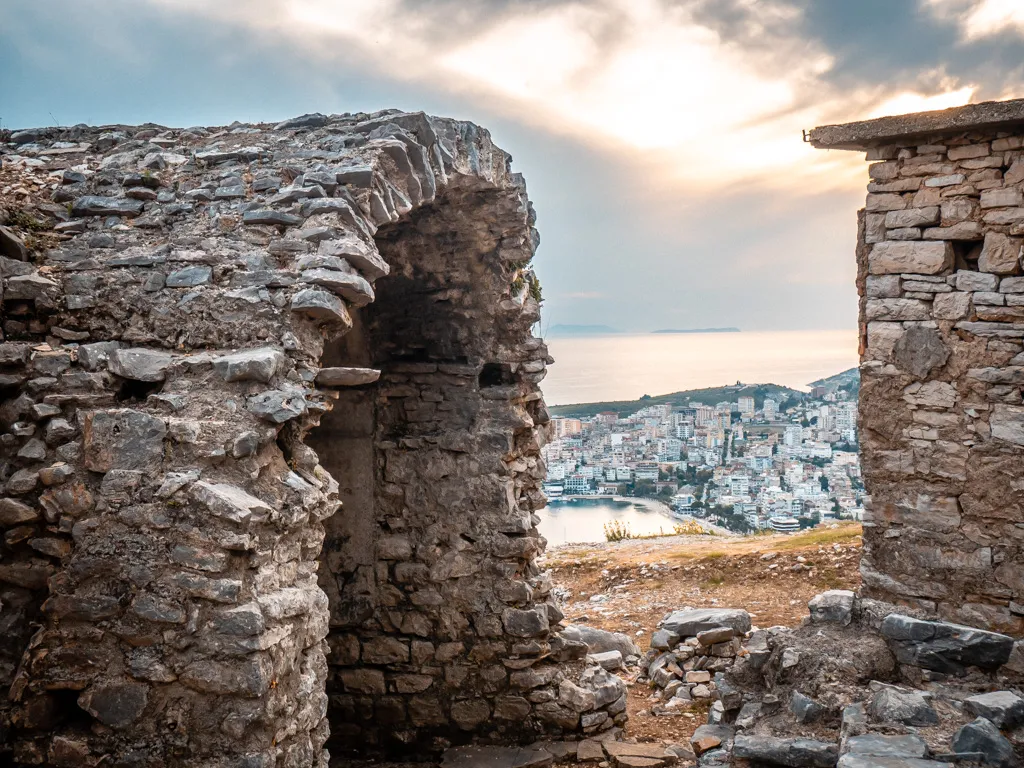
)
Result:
{"points": [[989, 116]]}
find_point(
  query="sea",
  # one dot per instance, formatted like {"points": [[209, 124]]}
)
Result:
{"points": [[591, 369], [583, 520]]}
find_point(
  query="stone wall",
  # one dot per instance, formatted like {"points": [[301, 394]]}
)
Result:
{"points": [[942, 323], [187, 310]]}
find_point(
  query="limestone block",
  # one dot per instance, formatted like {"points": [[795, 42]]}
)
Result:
{"points": [[1007, 197], [912, 217], [963, 230], [948, 180], [885, 202], [882, 286], [891, 257], [1007, 423], [1001, 254], [882, 338], [968, 151], [1004, 216], [874, 227], [897, 309]]}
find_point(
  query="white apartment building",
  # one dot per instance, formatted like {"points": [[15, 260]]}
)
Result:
{"points": [[746, 406], [771, 409]]}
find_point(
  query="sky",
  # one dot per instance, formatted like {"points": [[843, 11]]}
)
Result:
{"points": [[660, 139]]}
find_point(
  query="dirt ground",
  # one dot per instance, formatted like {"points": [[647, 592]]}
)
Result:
{"points": [[629, 586]]}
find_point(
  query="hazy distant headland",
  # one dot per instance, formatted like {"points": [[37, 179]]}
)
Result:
{"points": [[607, 330], [697, 330], [581, 330]]}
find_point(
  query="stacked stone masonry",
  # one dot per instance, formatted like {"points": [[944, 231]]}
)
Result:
{"points": [[942, 322], [230, 334]]}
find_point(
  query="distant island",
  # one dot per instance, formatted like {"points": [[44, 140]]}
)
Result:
{"points": [[698, 330], [580, 330]]}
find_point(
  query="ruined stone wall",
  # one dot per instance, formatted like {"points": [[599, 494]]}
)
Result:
{"points": [[942, 421], [172, 337]]}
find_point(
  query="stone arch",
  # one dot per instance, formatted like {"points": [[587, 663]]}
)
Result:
{"points": [[439, 473]]}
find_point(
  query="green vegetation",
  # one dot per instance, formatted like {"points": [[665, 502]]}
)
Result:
{"points": [[709, 396]]}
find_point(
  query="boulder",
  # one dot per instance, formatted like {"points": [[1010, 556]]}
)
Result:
{"points": [[610, 660], [982, 736], [832, 607], [601, 641], [795, 753], [1004, 708], [688, 623], [944, 647], [890, 705], [804, 708], [878, 745]]}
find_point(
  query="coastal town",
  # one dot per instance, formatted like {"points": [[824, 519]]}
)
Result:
{"points": [[751, 464]]}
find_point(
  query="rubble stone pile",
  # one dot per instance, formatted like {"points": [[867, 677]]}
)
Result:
{"points": [[862, 685], [690, 650], [212, 339]]}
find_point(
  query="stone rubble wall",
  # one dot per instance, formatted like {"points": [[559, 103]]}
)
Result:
{"points": [[161, 369], [942, 420]]}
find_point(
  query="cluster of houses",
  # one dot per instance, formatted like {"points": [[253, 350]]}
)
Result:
{"points": [[755, 463]]}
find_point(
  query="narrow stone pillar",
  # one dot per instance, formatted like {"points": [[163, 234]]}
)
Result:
{"points": [[942, 322]]}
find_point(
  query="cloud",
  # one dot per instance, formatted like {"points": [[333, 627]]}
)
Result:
{"points": [[981, 18]]}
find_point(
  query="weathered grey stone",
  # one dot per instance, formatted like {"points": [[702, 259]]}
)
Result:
{"points": [[250, 364], [1004, 708], [852, 760], [908, 707], [92, 205], [688, 623], [139, 364], [982, 736], [122, 439], [353, 288], [278, 406], [230, 502], [189, 277], [346, 377], [12, 246], [832, 607], [271, 217], [796, 753], [804, 708], [878, 745], [322, 306], [600, 640], [610, 660], [115, 705]]}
